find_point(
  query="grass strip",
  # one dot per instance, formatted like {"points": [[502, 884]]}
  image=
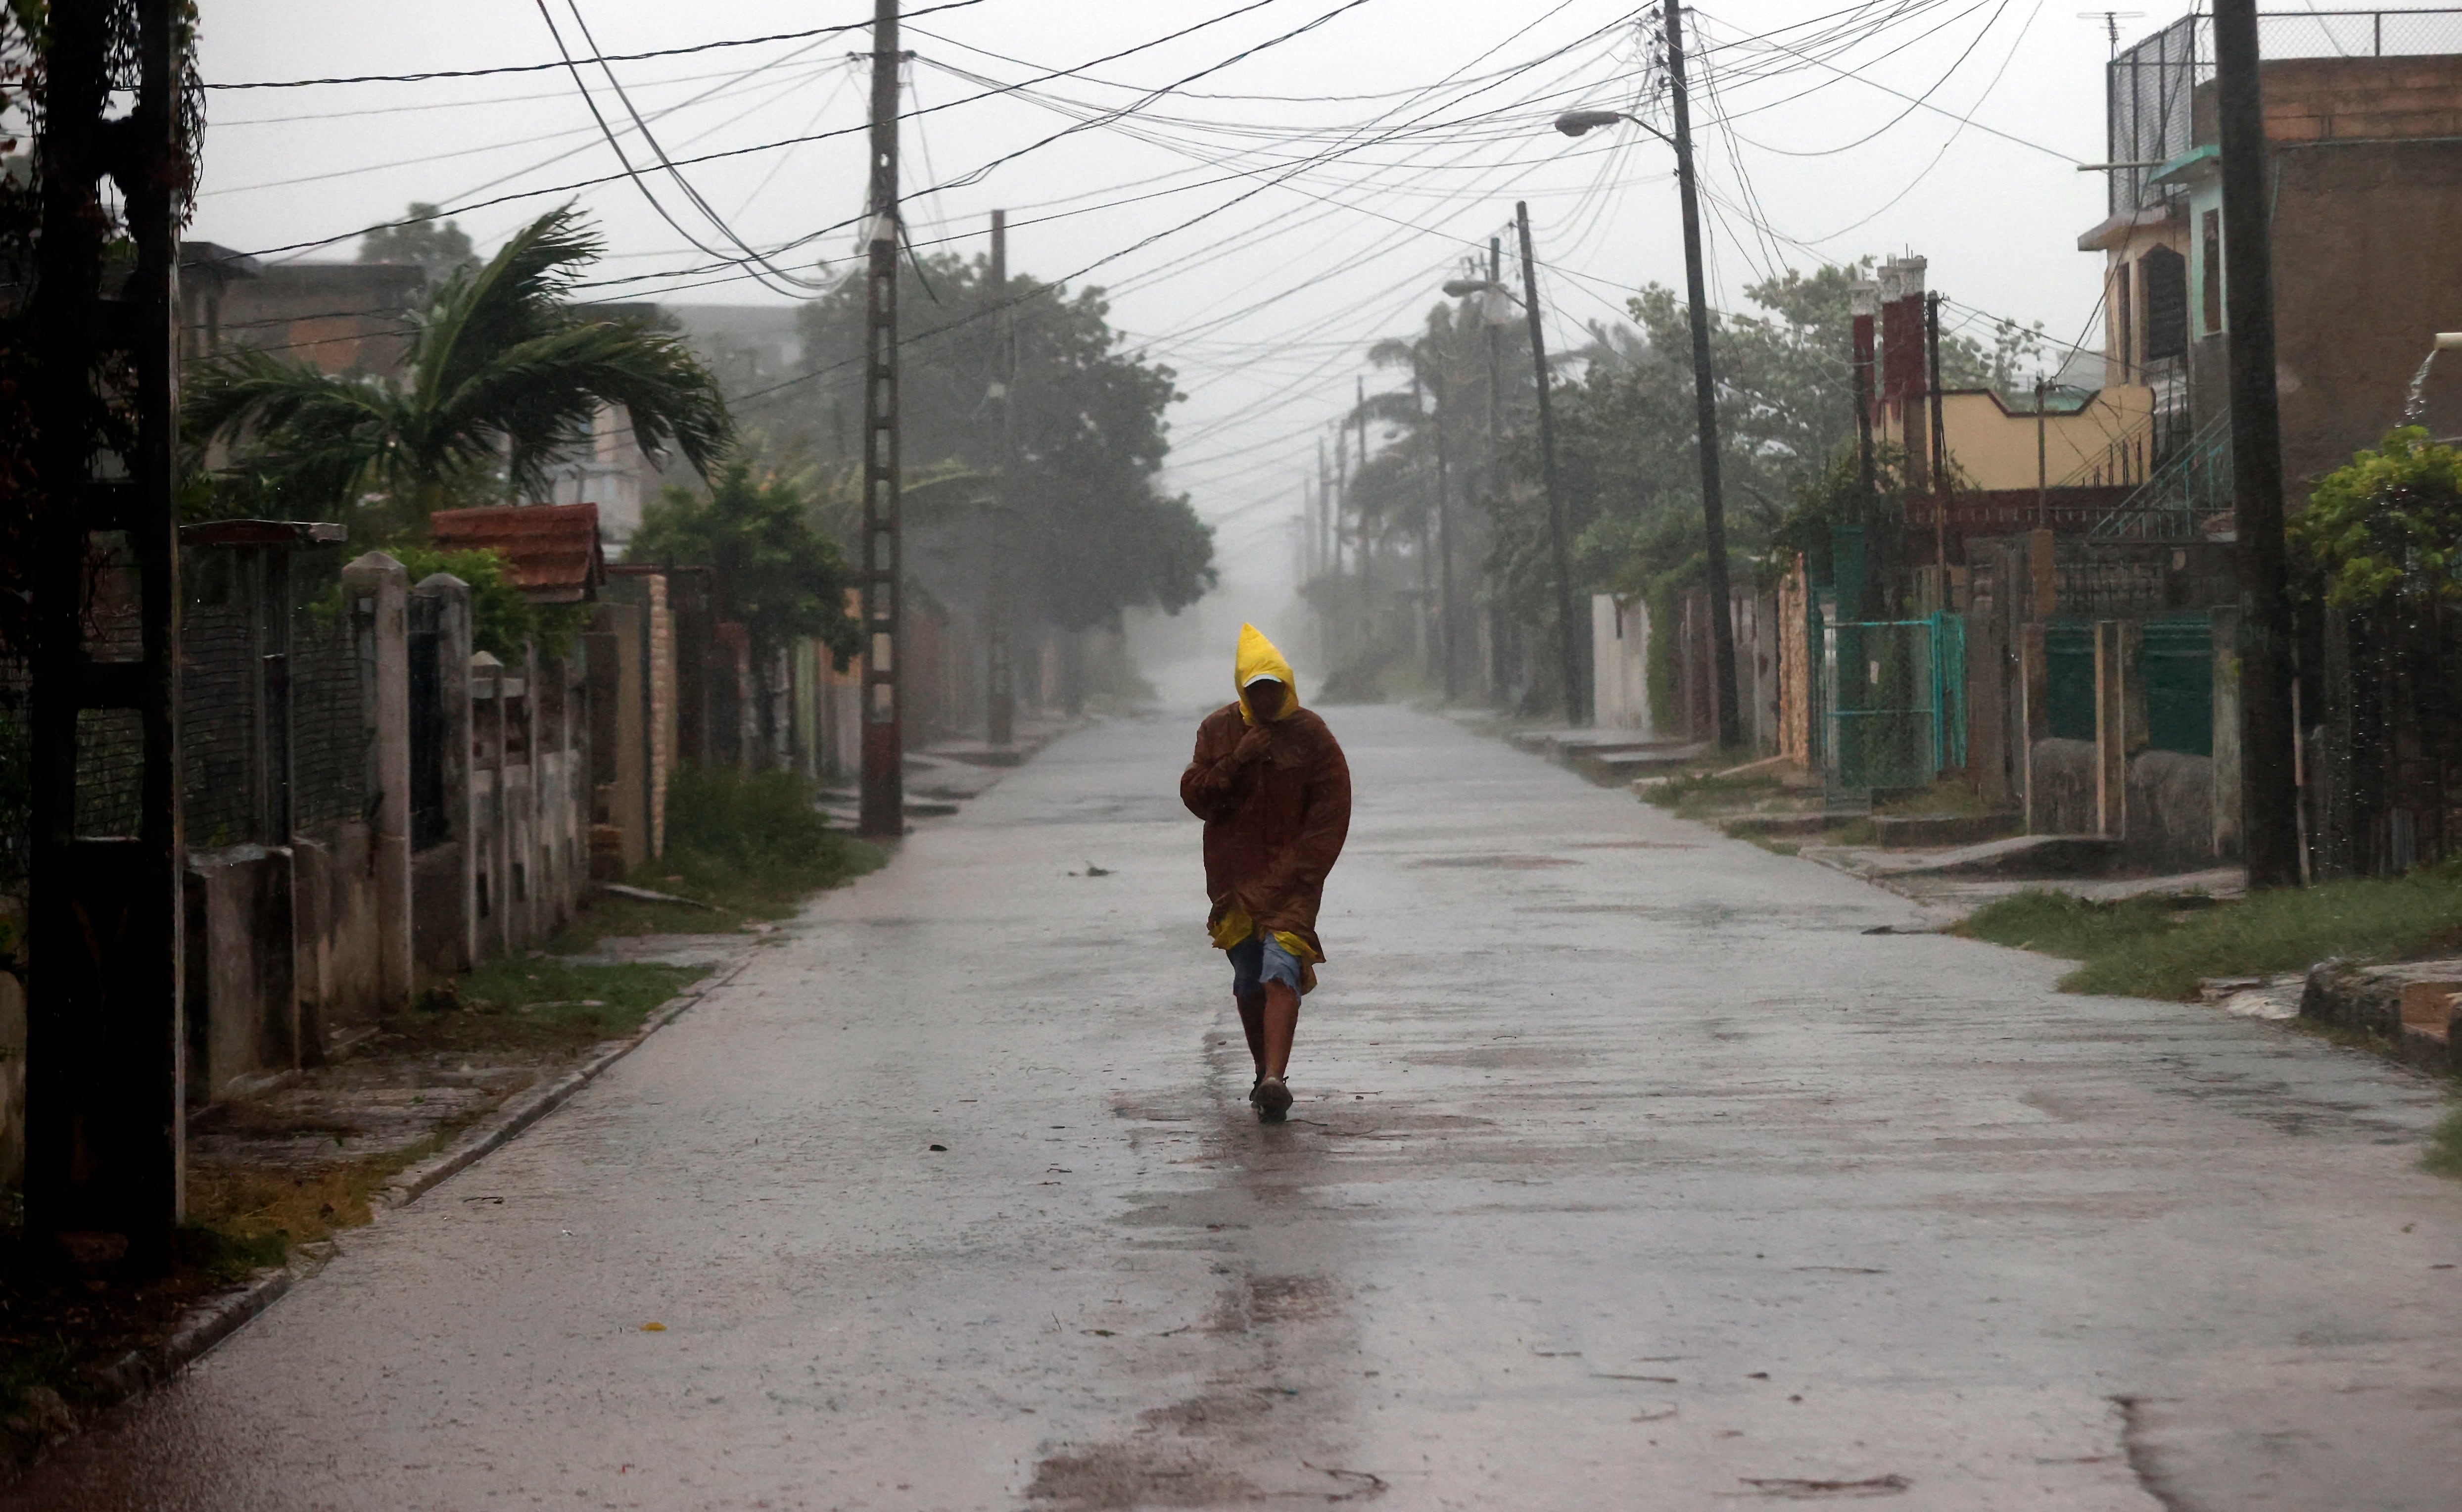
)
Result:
{"points": [[2162, 946], [1697, 792], [2444, 1156]]}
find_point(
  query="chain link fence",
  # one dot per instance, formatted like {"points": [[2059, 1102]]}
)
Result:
{"points": [[2152, 85]]}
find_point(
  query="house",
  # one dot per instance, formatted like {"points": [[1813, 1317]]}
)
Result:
{"points": [[343, 317], [2364, 186]]}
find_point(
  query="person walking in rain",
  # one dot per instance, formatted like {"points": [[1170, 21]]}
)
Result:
{"points": [[1269, 781]]}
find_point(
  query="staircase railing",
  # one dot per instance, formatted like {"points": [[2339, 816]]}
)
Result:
{"points": [[2196, 482]]}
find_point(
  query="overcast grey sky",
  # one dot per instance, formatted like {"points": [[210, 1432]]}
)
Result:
{"points": [[1347, 168]]}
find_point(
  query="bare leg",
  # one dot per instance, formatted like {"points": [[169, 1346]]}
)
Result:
{"points": [[1281, 1018], [1252, 1019]]}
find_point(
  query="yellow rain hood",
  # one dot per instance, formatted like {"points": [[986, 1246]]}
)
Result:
{"points": [[1256, 658]]}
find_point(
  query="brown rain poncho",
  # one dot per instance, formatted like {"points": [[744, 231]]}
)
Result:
{"points": [[1275, 824]]}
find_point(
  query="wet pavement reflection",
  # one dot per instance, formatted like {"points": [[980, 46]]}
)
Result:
{"points": [[1627, 1170]]}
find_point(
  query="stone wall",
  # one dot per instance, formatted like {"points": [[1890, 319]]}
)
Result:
{"points": [[2062, 774]]}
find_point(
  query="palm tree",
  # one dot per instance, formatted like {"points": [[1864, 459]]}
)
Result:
{"points": [[501, 374]]}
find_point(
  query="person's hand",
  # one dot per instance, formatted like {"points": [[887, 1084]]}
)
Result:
{"points": [[1252, 745]]}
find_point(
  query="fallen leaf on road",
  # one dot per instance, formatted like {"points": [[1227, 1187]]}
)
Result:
{"points": [[654, 1327]]}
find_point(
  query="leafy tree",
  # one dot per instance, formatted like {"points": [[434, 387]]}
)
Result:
{"points": [[439, 250], [776, 574], [1625, 430], [2388, 526], [502, 374], [1085, 530]]}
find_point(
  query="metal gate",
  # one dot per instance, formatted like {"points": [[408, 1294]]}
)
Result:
{"points": [[1892, 701]]}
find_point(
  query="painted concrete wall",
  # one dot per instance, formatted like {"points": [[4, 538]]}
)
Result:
{"points": [[1619, 664], [1995, 446]]}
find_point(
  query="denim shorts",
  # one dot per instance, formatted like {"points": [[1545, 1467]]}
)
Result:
{"points": [[1258, 959]]}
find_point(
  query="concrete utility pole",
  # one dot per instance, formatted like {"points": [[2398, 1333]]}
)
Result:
{"points": [[1568, 651], [1705, 394], [1864, 302], [1000, 682], [1366, 545], [883, 809], [105, 1136], [1449, 633], [2269, 794], [1331, 502]]}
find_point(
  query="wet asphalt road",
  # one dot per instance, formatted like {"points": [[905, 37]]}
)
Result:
{"points": [[1627, 1172]]}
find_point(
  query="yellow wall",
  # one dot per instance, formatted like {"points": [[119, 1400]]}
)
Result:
{"points": [[1993, 448]]}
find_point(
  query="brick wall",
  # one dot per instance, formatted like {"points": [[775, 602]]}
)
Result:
{"points": [[2344, 98]]}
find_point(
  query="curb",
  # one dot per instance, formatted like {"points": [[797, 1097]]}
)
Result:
{"points": [[501, 1127], [209, 1323]]}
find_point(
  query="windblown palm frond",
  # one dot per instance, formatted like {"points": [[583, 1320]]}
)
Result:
{"points": [[500, 371], [313, 437]]}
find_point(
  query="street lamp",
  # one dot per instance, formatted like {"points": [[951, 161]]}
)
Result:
{"points": [[1705, 393], [1576, 123]]}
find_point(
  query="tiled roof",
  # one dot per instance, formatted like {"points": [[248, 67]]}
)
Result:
{"points": [[554, 548]]}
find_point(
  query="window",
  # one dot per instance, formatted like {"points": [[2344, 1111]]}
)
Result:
{"points": [[2209, 239], [2166, 273], [2124, 345]]}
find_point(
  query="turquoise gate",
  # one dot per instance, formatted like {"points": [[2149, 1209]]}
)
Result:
{"points": [[1892, 701]]}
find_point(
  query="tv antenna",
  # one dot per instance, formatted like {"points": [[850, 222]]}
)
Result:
{"points": [[2111, 20]]}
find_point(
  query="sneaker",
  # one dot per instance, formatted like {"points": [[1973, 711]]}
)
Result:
{"points": [[1273, 1100]]}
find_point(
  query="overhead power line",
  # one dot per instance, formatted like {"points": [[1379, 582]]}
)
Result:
{"points": [[564, 63]]}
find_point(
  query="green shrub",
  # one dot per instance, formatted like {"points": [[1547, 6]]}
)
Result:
{"points": [[739, 840], [501, 616]]}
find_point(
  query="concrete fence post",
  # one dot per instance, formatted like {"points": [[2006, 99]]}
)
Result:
{"points": [[1987, 696], [380, 594], [448, 918], [2034, 716], [2111, 730], [2226, 738], [530, 840]]}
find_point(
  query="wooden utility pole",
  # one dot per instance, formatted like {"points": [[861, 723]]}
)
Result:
{"points": [[883, 809], [1000, 682], [1705, 395], [1568, 651], [2268, 794], [1497, 643], [105, 1139], [1434, 633], [2042, 457], [1939, 422]]}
